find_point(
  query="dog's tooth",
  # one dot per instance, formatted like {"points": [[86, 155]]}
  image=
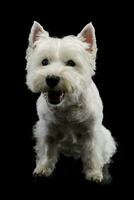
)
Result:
{"points": [[61, 96]]}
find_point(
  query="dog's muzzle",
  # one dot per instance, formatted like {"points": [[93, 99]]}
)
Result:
{"points": [[53, 95]]}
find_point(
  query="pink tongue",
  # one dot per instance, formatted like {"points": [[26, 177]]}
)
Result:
{"points": [[54, 97]]}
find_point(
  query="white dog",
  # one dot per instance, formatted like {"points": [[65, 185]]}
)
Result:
{"points": [[70, 109]]}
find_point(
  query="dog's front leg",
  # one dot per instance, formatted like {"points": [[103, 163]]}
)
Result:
{"points": [[47, 154], [92, 162], [46, 159]]}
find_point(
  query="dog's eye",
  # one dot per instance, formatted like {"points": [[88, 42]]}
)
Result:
{"points": [[70, 63], [45, 62]]}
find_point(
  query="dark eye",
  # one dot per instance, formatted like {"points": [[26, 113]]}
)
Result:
{"points": [[45, 62], [70, 63]]}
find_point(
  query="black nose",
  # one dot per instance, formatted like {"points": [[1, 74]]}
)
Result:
{"points": [[52, 81]]}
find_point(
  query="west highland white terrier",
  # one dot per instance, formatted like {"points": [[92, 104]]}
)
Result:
{"points": [[69, 108]]}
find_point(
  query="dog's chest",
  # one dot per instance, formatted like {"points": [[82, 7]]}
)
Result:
{"points": [[70, 129], [71, 137]]}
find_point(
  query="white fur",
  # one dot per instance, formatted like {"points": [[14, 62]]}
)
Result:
{"points": [[74, 126]]}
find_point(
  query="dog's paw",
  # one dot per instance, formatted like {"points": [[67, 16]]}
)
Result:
{"points": [[43, 170], [94, 176]]}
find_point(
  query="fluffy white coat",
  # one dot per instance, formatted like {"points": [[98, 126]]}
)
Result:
{"points": [[74, 125]]}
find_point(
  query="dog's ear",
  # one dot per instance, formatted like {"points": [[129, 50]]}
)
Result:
{"points": [[37, 31], [88, 35]]}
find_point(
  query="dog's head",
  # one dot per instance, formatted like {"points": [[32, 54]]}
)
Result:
{"points": [[61, 69]]}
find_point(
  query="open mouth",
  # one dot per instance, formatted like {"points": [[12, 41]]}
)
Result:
{"points": [[55, 97]]}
